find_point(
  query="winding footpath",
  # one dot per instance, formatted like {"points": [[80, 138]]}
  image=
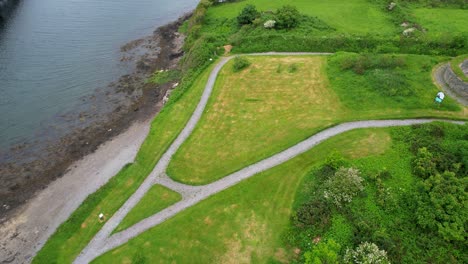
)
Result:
{"points": [[439, 79], [191, 195]]}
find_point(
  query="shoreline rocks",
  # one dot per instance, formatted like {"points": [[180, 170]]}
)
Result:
{"points": [[23, 173]]}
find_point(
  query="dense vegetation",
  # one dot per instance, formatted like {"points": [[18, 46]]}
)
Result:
{"points": [[369, 26], [412, 211]]}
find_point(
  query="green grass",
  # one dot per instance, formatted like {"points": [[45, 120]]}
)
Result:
{"points": [[161, 77], [360, 92], [265, 109], [352, 16], [246, 222], [455, 64], [75, 233], [156, 199], [442, 22]]}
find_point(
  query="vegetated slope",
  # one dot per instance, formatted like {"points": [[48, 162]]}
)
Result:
{"points": [[75, 233], [412, 201], [455, 64], [356, 25]]}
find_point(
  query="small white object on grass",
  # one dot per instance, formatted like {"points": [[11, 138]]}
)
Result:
{"points": [[101, 216], [211, 59], [441, 95]]}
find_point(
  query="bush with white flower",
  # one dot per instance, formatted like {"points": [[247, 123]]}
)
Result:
{"points": [[343, 186], [269, 24], [366, 253]]}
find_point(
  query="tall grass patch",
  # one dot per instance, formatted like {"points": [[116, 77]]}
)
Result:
{"points": [[373, 81]]}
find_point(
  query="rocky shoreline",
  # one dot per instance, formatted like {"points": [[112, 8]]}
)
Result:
{"points": [[24, 174]]}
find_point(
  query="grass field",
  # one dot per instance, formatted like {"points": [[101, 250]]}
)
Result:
{"points": [[255, 113], [442, 21], [265, 109], [157, 198], [245, 223], [75, 233], [353, 16]]}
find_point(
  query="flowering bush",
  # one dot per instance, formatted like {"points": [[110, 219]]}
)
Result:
{"points": [[366, 253], [269, 24], [345, 184]]}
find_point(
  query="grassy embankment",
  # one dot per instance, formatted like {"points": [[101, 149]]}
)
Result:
{"points": [[356, 25], [455, 64], [74, 234], [244, 223], [441, 22], [267, 108], [346, 17]]}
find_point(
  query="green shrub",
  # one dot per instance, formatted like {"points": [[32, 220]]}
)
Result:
{"points": [[292, 68], [423, 164], [287, 17], [313, 213], [247, 15], [343, 186], [161, 77], [442, 205], [366, 253], [323, 252], [199, 54], [240, 63]]}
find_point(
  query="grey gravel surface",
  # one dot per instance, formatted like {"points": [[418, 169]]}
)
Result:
{"points": [[454, 88], [191, 195]]}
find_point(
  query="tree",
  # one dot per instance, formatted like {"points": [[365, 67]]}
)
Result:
{"points": [[287, 17], [442, 205], [247, 15], [424, 165]]}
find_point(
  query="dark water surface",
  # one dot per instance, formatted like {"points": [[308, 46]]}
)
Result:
{"points": [[53, 53]]}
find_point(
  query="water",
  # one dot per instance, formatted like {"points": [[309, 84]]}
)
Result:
{"points": [[55, 52]]}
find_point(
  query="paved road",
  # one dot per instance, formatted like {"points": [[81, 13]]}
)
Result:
{"points": [[191, 195]]}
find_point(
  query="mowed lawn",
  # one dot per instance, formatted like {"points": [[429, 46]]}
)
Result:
{"points": [[254, 113], [442, 21], [352, 16], [245, 223], [266, 109], [157, 198]]}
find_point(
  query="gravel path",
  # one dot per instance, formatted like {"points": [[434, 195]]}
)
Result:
{"points": [[438, 76], [191, 195]]}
